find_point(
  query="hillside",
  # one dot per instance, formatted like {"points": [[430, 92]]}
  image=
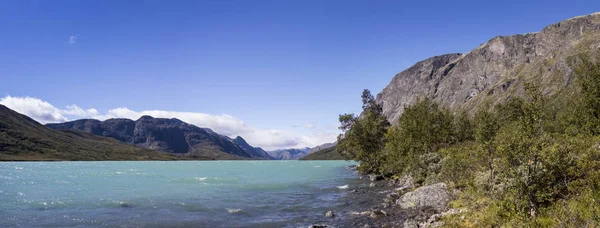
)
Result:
{"points": [[169, 135], [289, 154], [328, 153], [22, 138], [256, 152], [495, 70], [511, 127], [321, 147]]}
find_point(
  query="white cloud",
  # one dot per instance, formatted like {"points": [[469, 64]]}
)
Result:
{"points": [[77, 111], [35, 108], [72, 39], [231, 126]]}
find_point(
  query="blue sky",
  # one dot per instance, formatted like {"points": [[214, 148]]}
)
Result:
{"points": [[280, 70]]}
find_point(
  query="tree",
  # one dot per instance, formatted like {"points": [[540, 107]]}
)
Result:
{"points": [[587, 76], [412, 146], [486, 127], [527, 154], [363, 137], [463, 127]]}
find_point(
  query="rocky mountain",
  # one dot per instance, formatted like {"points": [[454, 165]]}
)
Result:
{"points": [[289, 154], [321, 147], [169, 135], [22, 138], [495, 70], [256, 151]]}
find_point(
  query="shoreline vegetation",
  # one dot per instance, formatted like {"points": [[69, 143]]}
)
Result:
{"points": [[531, 161]]}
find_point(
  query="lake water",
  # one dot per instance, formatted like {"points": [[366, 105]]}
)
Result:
{"points": [[170, 194]]}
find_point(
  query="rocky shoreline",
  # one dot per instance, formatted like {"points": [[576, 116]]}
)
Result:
{"points": [[374, 202]]}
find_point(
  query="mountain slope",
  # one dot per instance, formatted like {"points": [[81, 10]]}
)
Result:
{"points": [[22, 138], [495, 70], [169, 135], [289, 154], [322, 147], [255, 152], [328, 153]]}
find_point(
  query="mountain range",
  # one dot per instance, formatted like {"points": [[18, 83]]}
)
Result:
{"points": [[22, 139], [148, 138], [177, 137], [289, 154], [169, 135]]}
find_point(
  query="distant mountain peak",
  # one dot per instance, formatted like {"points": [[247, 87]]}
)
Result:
{"points": [[289, 154], [146, 117]]}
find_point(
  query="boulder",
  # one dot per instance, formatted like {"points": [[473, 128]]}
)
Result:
{"points": [[375, 177], [377, 214], [411, 224], [329, 214], [433, 196], [405, 182]]}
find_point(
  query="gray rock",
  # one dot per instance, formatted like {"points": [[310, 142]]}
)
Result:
{"points": [[329, 214], [411, 224], [318, 226], [434, 196], [375, 177], [378, 214], [406, 182], [495, 70]]}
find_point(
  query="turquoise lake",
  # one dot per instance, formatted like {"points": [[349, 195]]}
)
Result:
{"points": [[170, 194]]}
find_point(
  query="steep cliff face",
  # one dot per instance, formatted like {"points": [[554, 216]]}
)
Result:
{"points": [[495, 70], [169, 135]]}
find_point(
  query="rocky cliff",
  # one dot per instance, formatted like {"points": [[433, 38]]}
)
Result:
{"points": [[495, 70], [169, 135]]}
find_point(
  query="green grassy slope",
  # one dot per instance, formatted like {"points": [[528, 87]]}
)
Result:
{"points": [[324, 154]]}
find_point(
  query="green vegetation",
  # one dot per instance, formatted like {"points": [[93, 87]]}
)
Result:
{"points": [[363, 137], [23, 139], [528, 162], [324, 154]]}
